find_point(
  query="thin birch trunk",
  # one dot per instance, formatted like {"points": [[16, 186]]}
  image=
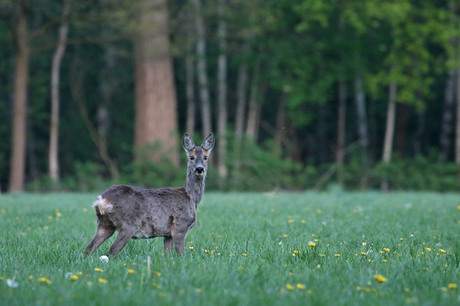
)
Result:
{"points": [[363, 134], [341, 131], [190, 90], [53, 157], [202, 70], [389, 130], [21, 79], [222, 92]]}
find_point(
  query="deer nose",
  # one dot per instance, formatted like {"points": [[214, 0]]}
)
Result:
{"points": [[199, 170]]}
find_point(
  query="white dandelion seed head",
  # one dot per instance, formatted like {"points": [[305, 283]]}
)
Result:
{"points": [[11, 283], [104, 258]]}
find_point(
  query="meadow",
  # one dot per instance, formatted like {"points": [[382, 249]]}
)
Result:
{"points": [[337, 248]]}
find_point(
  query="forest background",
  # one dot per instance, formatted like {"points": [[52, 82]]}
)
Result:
{"points": [[304, 94]]}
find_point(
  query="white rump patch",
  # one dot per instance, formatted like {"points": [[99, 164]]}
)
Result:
{"points": [[103, 204]]}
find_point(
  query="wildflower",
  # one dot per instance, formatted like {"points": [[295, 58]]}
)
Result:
{"points": [[89, 284], [300, 286], [58, 214], [364, 244], [386, 250], [442, 251], [289, 287], [428, 250], [285, 236], [295, 253], [85, 210], [291, 221], [198, 290], [102, 280], [311, 244], [1, 278], [11, 283], [444, 289], [244, 254], [363, 254], [452, 286], [98, 270], [206, 251], [73, 277], [157, 274], [458, 208], [303, 221], [322, 255], [401, 239], [44, 280], [131, 271], [336, 255], [190, 247], [156, 285], [3, 211], [380, 278], [129, 284]]}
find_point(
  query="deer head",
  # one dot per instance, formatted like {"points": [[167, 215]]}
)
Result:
{"points": [[198, 155]]}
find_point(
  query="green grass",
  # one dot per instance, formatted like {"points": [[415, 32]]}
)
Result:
{"points": [[246, 249]]}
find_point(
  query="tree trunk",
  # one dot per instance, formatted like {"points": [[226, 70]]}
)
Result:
{"points": [[190, 89], [156, 105], [53, 157], [241, 92], [457, 123], [255, 106], [389, 129], [21, 78], [341, 131], [280, 129], [201, 70], [363, 133], [447, 116], [222, 93]]}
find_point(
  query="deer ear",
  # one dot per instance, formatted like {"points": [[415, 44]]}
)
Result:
{"points": [[208, 143], [188, 143]]}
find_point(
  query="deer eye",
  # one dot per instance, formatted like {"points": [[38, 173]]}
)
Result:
{"points": [[205, 157], [192, 157]]}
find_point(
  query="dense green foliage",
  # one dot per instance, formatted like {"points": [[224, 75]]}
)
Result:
{"points": [[246, 249], [295, 51]]}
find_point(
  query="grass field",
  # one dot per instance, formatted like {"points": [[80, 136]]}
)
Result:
{"points": [[246, 249]]}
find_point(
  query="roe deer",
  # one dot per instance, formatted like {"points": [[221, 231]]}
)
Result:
{"points": [[148, 213]]}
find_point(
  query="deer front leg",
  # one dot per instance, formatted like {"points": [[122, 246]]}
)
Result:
{"points": [[102, 234], [122, 239], [168, 243]]}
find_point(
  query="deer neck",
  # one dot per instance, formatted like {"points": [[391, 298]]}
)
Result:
{"points": [[194, 186]]}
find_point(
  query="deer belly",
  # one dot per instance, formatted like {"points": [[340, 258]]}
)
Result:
{"points": [[147, 232]]}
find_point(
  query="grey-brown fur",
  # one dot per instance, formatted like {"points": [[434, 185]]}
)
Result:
{"points": [[148, 213]]}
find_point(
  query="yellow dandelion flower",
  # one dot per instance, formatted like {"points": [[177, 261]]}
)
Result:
{"points": [[198, 290], [44, 280], [452, 286], [289, 287], [1, 278], [364, 244], [285, 236], [384, 260], [85, 210], [322, 255], [401, 239], [102, 280], [380, 278], [244, 254], [31, 277], [428, 250], [190, 247], [79, 273], [363, 254], [444, 289], [89, 284], [386, 250], [458, 208], [336, 255], [442, 251], [73, 277], [311, 244], [156, 285], [129, 284], [98, 270], [300, 286], [58, 215], [206, 251], [291, 221], [303, 221], [157, 274], [131, 271], [3, 211]]}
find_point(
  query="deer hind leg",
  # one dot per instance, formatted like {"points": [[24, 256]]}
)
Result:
{"points": [[103, 233], [179, 241], [168, 243], [124, 235]]}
